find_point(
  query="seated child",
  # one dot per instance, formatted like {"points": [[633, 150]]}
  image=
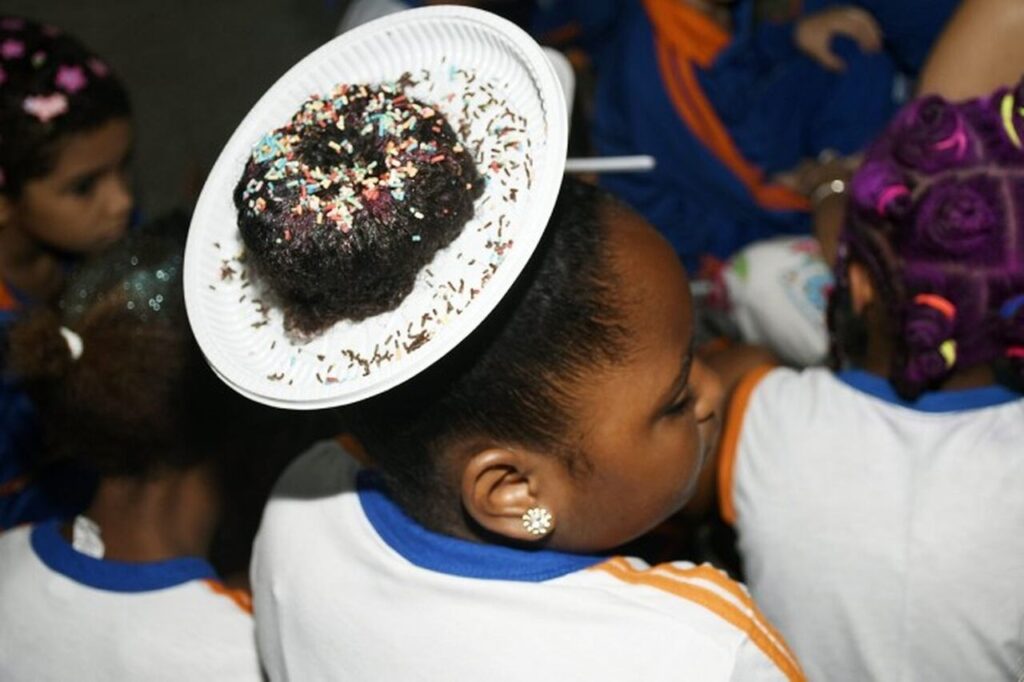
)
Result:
{"points": [[724, 100], [572, 420], [65, 137], [877, 507], [122, 591]]}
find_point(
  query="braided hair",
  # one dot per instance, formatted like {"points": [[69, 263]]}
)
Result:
{"points": [[936, 217]]}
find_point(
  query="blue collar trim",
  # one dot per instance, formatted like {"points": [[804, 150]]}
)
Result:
{"points": [[113, 576], [934, 402], [444, 554]]}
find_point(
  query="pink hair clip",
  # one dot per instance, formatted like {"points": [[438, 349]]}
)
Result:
{"points": [[98, 67], [46, 107], [940, 303], [1015, 352], [70, 79], [12, 49]]}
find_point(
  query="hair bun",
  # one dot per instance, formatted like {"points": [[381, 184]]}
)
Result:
{"points": [[879, 189], [933, 136], [961, 217], [929, 345]]}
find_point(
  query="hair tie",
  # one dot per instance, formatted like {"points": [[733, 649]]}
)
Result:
{"points": [[1007, 112], [888, 195], [1009, 309], [948, 352], [74, 342], [958, 139], [940, 303], [1015, 352]]}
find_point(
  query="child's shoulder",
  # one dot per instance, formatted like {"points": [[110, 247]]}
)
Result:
{"points": [[698, 601], [781, 389]]}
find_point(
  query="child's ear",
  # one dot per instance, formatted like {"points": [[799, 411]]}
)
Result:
{"points": [[862, 289], [499, 485]]}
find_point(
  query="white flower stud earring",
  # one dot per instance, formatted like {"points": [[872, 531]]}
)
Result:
{"points": [[538, 521]]}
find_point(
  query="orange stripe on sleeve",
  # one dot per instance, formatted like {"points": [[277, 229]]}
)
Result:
{"points": [[731, 439], [752, 623], [241, 598], [14, 485], [685, 37], [712, 575]]}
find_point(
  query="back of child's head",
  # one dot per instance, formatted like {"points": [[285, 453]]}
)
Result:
{"points": [[513, 380], [937, 218], [51, 86], [118, 380]]}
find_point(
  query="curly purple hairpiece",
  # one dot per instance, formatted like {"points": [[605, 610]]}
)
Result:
{"points": [[937, 217]]}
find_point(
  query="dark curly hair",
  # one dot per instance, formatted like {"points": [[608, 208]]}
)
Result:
{"points": [[51, 86], [937, 217], [364, 180], [140, 397], [513, 379]]}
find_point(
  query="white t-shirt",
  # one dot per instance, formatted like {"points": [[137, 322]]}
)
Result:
{"points": [[67, 616], [886, 541], [347, 587]]}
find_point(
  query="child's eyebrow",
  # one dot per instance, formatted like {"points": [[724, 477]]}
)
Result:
{"points": [[683, 377]]}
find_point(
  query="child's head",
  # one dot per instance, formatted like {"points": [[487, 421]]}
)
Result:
{"points": [[118, 381], [365, 180], [933, 250], [65, 136], [578, 394]]}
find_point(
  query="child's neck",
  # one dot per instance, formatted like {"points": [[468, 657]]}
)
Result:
{"points": [[977, 376], [164, 517], [28, 267]]}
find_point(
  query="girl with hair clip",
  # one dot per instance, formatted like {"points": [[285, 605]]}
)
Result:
{"points": [[122, 591], [65, 138], [878, 507], [494, 484]]}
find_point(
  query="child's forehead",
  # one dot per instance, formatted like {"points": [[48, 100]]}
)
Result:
{"points": [[94, 149], [652, 286]]}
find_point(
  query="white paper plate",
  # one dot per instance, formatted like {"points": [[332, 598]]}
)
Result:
{"points": [[463, 56]]}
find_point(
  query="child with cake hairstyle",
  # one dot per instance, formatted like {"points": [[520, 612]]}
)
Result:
{"points": [[65, 136], [573, 419], [878, 507], [122, 591]]}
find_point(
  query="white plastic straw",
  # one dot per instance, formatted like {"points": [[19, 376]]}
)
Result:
{"points": [[610, 164]]}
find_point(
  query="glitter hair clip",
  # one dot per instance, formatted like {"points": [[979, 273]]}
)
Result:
{"points": [[46, 107], [74, 341], [939, 303], [1009, 309]]}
